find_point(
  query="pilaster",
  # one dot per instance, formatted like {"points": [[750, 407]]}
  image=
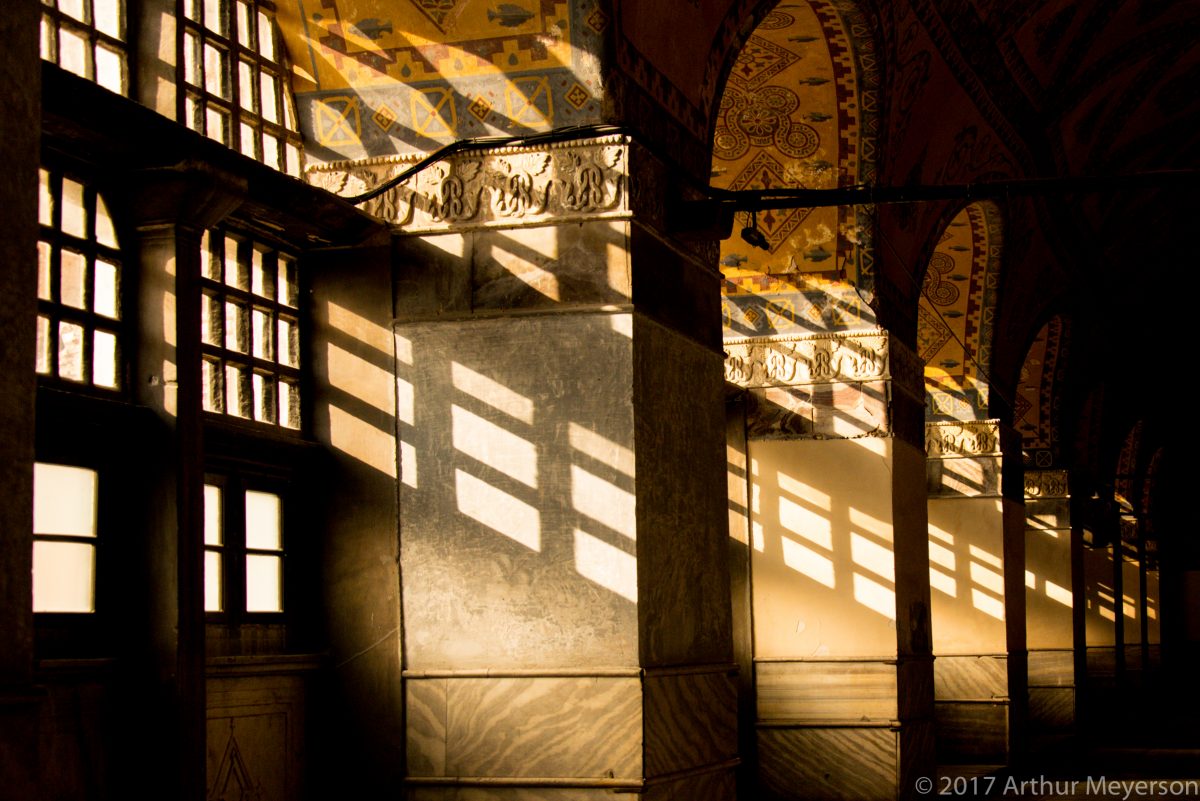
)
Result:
{"points": [[839, 563], [562, 485]]}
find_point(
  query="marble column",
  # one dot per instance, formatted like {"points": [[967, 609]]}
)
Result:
{"points": [[838, 564], [1050, 606], [563, 513], [976, 549]]}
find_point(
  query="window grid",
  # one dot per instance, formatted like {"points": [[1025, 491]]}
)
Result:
{"points": [[235, 81], [87, 37], [79, 328], [250, 330], [243, 547], [64, 538]]}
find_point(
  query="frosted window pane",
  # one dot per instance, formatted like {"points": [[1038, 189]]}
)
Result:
{"points": [[263, 346], [288, 343], [191, 58], [287, 282], [247, 140], [213, 602], [64, 577], [270, 151], [72, 272], [214, 20], [70, 351], [263, 583], [191, 10], [72, 52], [262, 520], [289, 405], [237, 391], [104, 359], [257, 279], [293, 160], [211, 393], [73, 219], [45, 200], [214, 71], [210, 320], [43, 346], [47, 47], [264, 398], [266, 37], [64, 500], [105, 233], [235, 272], [43, 290], [72, 8], [104, 299], [245, 86], [110, 70], [191, 114], [212, 515], [108, 17], [235, 327], [245, 31], [215, 126], [270, 109]]}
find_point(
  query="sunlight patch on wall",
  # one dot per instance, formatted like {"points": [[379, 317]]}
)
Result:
{"points": [[805, 492], [360, 379], [874, 596], [405, 402], [803, 560], [404, 352], [872, 556], [622, 324], [493, 393], [757, 536], [498, 510], [808, 524], [365, 331], [942, 582], [408, 464], [986, 578], [941, 555], [603, 501], [494, 446], [1060, 594], [606, 565], [871, 525], [601, 448], [362, 441], [1030, 580], [985, 603]]}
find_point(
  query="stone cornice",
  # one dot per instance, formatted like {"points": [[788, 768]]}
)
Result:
{"points": [[1046, 484], [807, 358], [494, 187], [962, 438]]}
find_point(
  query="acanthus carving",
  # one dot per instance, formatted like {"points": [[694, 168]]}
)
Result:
{"points": [[1046, 484], [788, 361], [496, 187], [965, 438]]}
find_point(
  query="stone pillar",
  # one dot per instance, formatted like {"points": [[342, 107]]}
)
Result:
{"points": [[976, 550], [1100, 605], [1049, 602], [839, 564], [1132, 599], [561, 426], [20, 125]]}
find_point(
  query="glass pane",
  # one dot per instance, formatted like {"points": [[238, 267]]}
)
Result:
{"points": [[248, 140], [70, 351], [260, 324], [245, 86], [289, 114], [191, 58], [214, 16], [289, 404], [289, 346], [235, 272], [245, 24], [45, 201], [209, 266], [237, 391], [110, 69], [266, 36], [72, 52], [105, 233], [212, 393], [262, 521], [191, 114], [264, 583], [212, 515], [214, 71], [271, 151], [44, 251], [104, 297], [288, 292], [74, 221], [42, 364], [64, 500], [47, 46], [210, 320], [264, 398], [72, 8], [270, 108], [104, 359], [293, 160], [64, 577], [191, 10], [213, 602], [236, 325], [216, 125], [257, 280], [72, 275], [108, 17]]}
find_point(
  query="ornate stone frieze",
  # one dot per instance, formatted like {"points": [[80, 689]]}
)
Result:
{"points": [[1046, 484], [807, 359], [962, 438], [497, 187]]}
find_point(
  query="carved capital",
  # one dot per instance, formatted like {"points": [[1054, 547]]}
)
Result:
{"points": [[965, 438], [807, 359], [497, 187], [1046, 484]]}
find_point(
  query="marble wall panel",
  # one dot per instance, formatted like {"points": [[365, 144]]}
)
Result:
{"points": [[1051, 709], [836, 763], [452, 793], [1051, 668], [971, 733], [970, 677], [823, 690], [568, 727], [690, 720], [715, 786]]}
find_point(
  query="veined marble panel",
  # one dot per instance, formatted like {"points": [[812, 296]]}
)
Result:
{"points": [[827, 764], [517, 794], [970, 677], [715, 786], [826, 691], [691, 721], [1051, 668], [971, 733], [1101, 661], [1051, 709], [560, 727]]}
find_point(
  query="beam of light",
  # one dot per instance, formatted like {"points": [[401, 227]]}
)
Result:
{"points": [[808, 562], [872, 556], [606, 565], [498, 510], [603, 501], [601, 449], [875, 596], [494, 446], [806, 523], [491, 392], [805, 492]]}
